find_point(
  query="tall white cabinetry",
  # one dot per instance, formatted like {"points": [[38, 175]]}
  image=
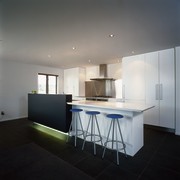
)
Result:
{"points": [[160, 88], [133, 78], [178, 90], [74, 81], [150, 78]]}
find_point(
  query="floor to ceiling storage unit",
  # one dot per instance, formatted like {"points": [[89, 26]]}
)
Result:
{"points": [[150, 78]]}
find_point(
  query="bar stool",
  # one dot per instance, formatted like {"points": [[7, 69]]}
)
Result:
{"points": [[114, 127], [94, 123], [76, 132]]}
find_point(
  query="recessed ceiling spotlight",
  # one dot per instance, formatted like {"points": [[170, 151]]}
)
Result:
{"points": [[111, 35], [73, 47]]}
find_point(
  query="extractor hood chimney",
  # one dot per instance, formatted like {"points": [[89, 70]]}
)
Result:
{"points": [[103, 73], [103, 70]]}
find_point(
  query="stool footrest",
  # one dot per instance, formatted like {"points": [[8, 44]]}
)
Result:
{"points": [[92, 136], [115, 141], [73, 133]]}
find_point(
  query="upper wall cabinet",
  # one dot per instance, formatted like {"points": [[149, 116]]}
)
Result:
{"points": [[133, 78], [150, 78], [74, 81]]}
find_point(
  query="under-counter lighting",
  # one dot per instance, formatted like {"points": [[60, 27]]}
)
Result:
{"points": [[53, 132]]}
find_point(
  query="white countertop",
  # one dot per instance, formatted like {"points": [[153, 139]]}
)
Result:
{"points": [[134, 107]]}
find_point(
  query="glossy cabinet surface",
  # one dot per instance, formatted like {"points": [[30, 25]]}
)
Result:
{"points": [[160, 88], [133, 78], [74, 79], [177, 90], [150, 78], [151, 89]]}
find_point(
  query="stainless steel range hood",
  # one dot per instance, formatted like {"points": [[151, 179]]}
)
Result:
{"points": [[101, 86], [103, 73]]}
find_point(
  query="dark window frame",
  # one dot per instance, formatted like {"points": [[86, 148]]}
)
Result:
{"points": [[47, 81]]}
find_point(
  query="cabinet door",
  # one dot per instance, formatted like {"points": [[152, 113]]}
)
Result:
{"points": [[152, 88], [167, 88], [82, 79], [177, 90], [133, 78], [71, 83]]}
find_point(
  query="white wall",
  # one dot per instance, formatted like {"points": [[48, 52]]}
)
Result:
{"points": [[0, 83], [0, 56], [115, 70], [178, 90], [0, 20], [92, 72], [19, 79]]}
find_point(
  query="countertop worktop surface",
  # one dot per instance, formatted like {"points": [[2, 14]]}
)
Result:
{"points": [[135, 107]]}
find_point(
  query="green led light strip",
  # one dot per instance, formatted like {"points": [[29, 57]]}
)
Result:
{"points": [[50, 131]]}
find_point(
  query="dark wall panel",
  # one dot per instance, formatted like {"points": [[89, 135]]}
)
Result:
{"points": [[50, 110]]}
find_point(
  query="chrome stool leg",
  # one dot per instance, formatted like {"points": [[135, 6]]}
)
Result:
{"points": [[74, 123], [115, 128], [105, 144], [94, 123], [86, 133], [124, 146]]}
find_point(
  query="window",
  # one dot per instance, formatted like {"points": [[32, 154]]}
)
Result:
{"points": [[47, 83]]}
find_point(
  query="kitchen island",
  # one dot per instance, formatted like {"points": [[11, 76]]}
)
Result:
{"points": [[50, 110], [131, 124]]}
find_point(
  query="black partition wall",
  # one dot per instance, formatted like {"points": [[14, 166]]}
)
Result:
{"points": [[50, 110]]}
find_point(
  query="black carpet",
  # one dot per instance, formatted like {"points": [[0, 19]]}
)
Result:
{"points": [[31, 162], [29, 154]]}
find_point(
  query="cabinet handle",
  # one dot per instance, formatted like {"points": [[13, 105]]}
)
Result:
{"points": [[161, 92], [157, 91], [123, 92]]}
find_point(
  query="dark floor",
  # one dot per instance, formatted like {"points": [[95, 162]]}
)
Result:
{"points": [[158, 159]]}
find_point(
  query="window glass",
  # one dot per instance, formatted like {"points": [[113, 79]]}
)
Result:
{"points": [[42, 84], [52, 84]]}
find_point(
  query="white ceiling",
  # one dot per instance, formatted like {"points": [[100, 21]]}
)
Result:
{"points": [[44, 32]]}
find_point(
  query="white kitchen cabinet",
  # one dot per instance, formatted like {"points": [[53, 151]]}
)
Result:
{"points": [[177, 90], [160, 88], [133, 78], [74, 81], [150, 78]]}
